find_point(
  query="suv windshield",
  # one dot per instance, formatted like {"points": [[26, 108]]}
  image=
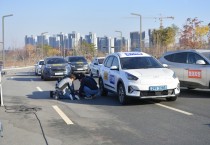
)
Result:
{"points": [[77, 59], [56, 61], [41, 63], [100, 60], [140, 62]]}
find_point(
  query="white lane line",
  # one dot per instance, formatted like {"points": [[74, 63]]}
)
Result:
{"points": [[174, 109], [39, 89], [63, 116]]}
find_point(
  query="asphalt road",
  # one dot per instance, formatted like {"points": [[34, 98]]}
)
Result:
{"points": [[30, 117]]}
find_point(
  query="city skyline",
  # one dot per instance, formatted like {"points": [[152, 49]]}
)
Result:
{"points": [[74, 39], [101, 17]]}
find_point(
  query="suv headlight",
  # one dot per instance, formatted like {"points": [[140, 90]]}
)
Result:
{"points": [[131, 77]]}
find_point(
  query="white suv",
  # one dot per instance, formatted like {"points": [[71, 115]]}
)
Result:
{"points": [[137, 74]]}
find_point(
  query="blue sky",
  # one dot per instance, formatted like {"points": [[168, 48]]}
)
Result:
{"points": [[100, 17]]}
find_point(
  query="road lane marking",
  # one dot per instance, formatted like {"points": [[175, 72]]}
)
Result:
{"points": [[39, 89], [174, 109], [63, 116]]}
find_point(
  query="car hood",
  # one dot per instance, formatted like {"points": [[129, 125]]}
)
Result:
{"points": [[78, 63], [151, 72], [57, 65]]}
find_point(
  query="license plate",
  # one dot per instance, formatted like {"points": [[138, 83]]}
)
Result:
{"points": [[157, 88], [79, 69], [58, 74]]}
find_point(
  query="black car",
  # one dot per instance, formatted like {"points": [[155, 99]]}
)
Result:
{"points": [[78, 64], [55, 67]]}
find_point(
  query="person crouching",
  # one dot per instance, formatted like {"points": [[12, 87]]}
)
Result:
{"points": [[88, 87], [67, 87]]}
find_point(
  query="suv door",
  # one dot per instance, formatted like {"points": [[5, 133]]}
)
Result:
{"points": [[114, 75], [177, 62], [106, 70], [195, 74]]}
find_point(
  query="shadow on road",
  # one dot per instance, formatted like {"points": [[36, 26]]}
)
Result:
{"points": [[40, 95], [110, 100], [197, 93]]}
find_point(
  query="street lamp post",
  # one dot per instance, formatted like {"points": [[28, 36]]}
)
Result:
{"points": [[140, 41], [121, 40], [3, 52], [42, 34]]}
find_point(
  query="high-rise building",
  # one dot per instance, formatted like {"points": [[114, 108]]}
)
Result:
{"points": [[53, 42], [105, 44], [135, 40], [91, 39], [42, 40], [30, 40], [121, 44], [74, 40]]}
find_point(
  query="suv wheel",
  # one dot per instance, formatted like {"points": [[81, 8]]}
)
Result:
{"points": [[103, 91], [122, 94], [44, 77]]}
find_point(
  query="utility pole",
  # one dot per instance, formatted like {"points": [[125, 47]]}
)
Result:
{"points": [[3, 51], [42, 34], [140, 35]]}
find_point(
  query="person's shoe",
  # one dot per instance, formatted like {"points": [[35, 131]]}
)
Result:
{"points": [[88, 97], [94, 96], [71, 98], [77, 97]]}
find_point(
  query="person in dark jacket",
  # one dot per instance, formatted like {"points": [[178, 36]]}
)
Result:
{"points": [[88, 87]]}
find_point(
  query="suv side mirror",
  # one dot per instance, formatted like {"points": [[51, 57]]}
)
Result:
{"points": [[201, 62], [114, 68], [165, 65]]}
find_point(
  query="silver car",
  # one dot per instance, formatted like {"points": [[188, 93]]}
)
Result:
{"points": [[38, 66], [192, 67], [95, 66]]}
